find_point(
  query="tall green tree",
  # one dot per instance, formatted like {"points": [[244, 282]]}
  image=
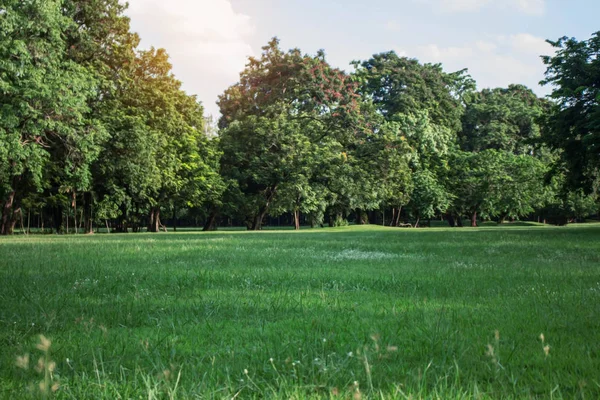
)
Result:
{"points": [[291, 116], [100, 40], [401, 85], [573, 126], [505, 119], [427, 104], [44, 101]]}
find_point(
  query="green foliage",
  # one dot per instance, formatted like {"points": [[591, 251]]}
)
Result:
{"points": [[502, 119], [287, 127], [429, 198], [424, 104], [573, 127], [44, 130], [493, 183], [94, 130], [400, 85]]}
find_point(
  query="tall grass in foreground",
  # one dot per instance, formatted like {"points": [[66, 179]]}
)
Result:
{"points": [[358, 312]]}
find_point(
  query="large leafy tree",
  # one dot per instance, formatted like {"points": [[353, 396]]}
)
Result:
{"points": [[426, 104], [158, 156], [100, 40], [494, 183], [505, 119], [503, 124], [401, 85], [573, 127], [476, 179], [44, 102], [287, 121]]}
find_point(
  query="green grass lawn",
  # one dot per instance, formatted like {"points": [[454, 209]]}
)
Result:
{"points": [[347, 312]]}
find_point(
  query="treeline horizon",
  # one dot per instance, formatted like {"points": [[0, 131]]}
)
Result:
{"points": [[96, 132]]}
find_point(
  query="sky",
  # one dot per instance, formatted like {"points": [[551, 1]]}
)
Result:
{"points": [[499, 41]]}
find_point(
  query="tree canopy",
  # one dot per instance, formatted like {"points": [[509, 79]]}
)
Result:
{"points": [[95, 131], [573, 126]]}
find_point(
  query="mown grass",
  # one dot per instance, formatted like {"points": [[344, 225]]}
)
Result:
{"points": [[340, 313]]}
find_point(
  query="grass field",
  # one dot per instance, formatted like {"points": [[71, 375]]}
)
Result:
{"points": [[348, 312]]}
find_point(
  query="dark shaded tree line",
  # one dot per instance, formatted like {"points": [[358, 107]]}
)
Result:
{"points": [[96, 132]]}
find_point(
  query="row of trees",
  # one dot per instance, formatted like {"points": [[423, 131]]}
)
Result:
{"points": [[91, 127], [95, 131], [299, 136]]}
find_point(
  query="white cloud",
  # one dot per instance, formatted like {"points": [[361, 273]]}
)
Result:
{"points": [[462, 5], [495, 62], [485, 46], [400, 52], [435, 52], [529, 44], [208, 41], [531, 7]]}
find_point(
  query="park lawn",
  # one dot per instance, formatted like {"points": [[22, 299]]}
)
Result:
{"points": [[361, 311]]}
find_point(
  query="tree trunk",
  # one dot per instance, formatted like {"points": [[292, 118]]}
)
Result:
{"points": [[297, 220], [451, 220], [459, 221], [16, 210], [501, 219], [359, 217], [154, 224], [210, 222], [363, 217], [121, 227], [258, 219], [398, 214], [74, 205], [13, 222], [474, 219], [122, 224], [174, 218], [22, 226], [87, 213], [7, 214], [393, 217]]}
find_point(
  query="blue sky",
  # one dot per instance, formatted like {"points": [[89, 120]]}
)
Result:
{"points": [[499, 41]]}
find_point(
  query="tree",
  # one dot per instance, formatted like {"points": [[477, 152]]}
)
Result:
{"points": [[494, 183], [474, 179], [426, 103], [100, 40], [521, 187], [158, 156], [502, 119], [385, 159], [44, 97], [400, 85], [429, 197], [289, 117], [573, 126]]}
